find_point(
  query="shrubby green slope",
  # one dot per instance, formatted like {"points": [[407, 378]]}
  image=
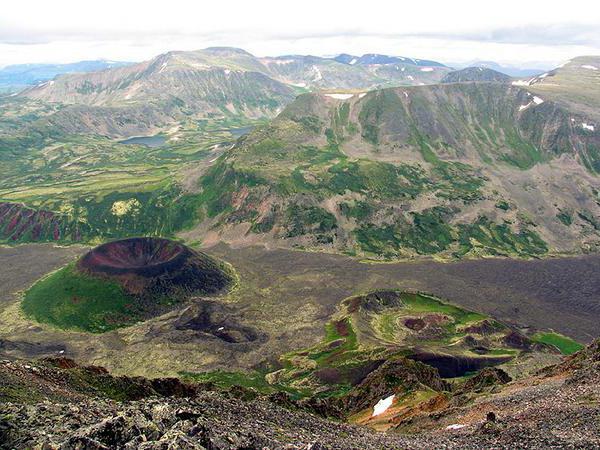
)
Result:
{"points": [[451, 170]]}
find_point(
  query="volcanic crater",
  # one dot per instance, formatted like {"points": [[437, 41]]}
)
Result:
{"points": [[150, 266], [122, 282]]}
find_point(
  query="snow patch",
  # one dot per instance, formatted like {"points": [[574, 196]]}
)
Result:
{"points": [[362, 94], [340, 96], [403, 69], [283, 61], [427, 69], [588, 126], [164, 65], [353, 61], [455, 426], [299, 84], [536, 101], [46, 83], [383, 405], [318, 75], [410, 77], [405, 94], [587, 66], [227, 71]]}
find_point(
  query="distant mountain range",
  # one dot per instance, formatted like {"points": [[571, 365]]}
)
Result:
{"points": [[375, 58], [513, 71], [18, 76], [344, 71], [218, 81]]}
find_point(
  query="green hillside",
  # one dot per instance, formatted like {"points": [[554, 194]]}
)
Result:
{"points": [[436, 170]]}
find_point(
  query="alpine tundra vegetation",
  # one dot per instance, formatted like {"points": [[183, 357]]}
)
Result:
{"points": [[332, 247]]}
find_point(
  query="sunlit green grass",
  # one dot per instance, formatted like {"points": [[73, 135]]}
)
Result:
{"points": [[68, 299], [566, 345]]}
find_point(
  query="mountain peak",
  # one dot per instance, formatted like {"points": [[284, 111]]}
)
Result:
{"points": [[227, 51], [475, 74]]}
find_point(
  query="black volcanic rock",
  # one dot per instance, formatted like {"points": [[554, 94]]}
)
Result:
{"points": [[156, 266], [391, 376], [487, 377]]}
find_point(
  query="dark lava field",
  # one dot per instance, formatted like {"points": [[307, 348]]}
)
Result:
{"points": [[283, 300]]}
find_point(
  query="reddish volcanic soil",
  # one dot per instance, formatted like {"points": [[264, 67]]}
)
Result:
{"points": [[18, 222], [155, 266], [140, 256]]}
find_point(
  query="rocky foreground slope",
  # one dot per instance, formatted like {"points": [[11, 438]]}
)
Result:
{"points": [[56, 404]]}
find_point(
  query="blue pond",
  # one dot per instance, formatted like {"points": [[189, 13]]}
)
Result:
{"points": [[149, 141]]}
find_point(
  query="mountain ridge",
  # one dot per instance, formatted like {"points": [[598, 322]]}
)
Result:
{"points": [[310, 178]]}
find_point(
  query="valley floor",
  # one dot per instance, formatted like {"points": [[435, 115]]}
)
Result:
{"points": [[287, 297]]}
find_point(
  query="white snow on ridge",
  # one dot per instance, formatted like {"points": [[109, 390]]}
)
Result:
{"points": [[383, 405], [298, 84], [318, 75], [587, 126], [426, 69], [536, 101], [340, 96], [524, 107], [46, 83], [587, 66], [526, 82], [362, 94], [353, 61], [410, 77]]}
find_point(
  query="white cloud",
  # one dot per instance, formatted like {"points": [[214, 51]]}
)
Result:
{"points": [[66, 30]]}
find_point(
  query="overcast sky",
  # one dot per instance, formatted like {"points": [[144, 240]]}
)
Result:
{"points": [[522, 32]]}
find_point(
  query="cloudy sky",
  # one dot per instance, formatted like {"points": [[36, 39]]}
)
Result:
{"points": [[521, 32]]}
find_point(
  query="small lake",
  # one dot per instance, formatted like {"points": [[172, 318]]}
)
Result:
{"points": [[238, 132], [149, 141]]}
